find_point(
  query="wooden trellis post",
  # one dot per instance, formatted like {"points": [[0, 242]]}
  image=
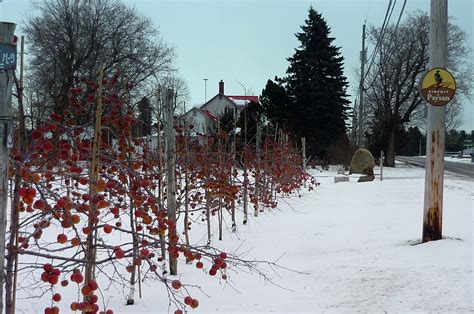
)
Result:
{"points": [[170, 156], [90, 253]]}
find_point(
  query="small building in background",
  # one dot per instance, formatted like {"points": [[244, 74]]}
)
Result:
{"points": [[205, 117], [201, 120]]}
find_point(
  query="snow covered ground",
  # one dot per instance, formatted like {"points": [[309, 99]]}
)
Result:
{"points": [[465, 159], [344, 247]]}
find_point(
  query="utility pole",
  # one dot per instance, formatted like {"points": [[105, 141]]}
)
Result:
{"points": [[6, 83], [354, 125], [361, 89], [205, 90], [435, 135]]}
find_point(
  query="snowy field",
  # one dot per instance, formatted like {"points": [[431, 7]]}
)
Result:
{"points": [[464, 160], [344, 247]]}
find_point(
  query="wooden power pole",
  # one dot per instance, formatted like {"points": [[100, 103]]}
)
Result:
{"points": [[6, 83], [361, 90], [435, 135]]}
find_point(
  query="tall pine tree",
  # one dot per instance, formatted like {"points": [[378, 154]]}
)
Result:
{"points": [[275, 103], [316, 87], [144, 117]]}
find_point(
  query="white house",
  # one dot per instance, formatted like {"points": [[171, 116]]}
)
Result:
{"points": [[201, 119], [205, 116]]}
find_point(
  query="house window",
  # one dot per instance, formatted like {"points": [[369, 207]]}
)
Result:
{"points": [[229, 110], [194, 113]]}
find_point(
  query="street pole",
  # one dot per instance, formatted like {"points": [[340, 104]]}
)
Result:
{"points": [[6, 83], [354, 125], [435, 135], [205, 90], [361, 89]]}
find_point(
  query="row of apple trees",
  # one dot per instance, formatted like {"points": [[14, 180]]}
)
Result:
{"points": [[94, 206]]}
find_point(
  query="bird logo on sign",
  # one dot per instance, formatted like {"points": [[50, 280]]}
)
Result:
{"points": [[438, 79]]}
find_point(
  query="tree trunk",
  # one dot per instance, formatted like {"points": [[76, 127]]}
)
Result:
{"points": [[390, 150], [133, 275]]}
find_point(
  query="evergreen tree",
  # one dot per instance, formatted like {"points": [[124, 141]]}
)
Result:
{"points": [[247, 121], [226, 121], [408, 143], [144, 117], [316, 87], [275, 104]]}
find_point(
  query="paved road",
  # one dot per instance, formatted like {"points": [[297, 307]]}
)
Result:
{"points": [[465, 169]]}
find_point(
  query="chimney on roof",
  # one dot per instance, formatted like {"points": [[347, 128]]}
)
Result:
{"points": [[221, 87]]}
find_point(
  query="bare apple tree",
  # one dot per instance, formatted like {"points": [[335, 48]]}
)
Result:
{"points": [[83, 35]]}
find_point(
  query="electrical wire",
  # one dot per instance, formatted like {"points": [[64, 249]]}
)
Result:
{"points": [[390, 42], [388, 15]]}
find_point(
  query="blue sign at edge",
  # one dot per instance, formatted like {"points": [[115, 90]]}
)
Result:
{"points": [[7, 57]]}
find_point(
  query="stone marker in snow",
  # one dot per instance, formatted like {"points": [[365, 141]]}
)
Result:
{"points": [[341, 178], [362, 160]]}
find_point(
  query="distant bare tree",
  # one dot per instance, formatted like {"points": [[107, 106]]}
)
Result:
{"points": [[393, 98], [181, 91], [70, 39]]}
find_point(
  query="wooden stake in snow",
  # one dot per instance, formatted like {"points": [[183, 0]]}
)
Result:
{"points": [[258, 156], [233, 166], [381, 166], [303, 155], [6, 83], [244, 163], [435, 134], [170, 154], [186, 183], [160, 180], [90, 253]]}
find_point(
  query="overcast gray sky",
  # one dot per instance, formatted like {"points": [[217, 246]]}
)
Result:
{"points": [[247, 41]]}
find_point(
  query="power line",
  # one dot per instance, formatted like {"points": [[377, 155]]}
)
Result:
{"points": [[363, 73], [394, 34], [401, 13], [390, 43], [388, 14], [368, 10]]}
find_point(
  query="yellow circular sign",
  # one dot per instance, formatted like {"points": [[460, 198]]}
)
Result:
{"points": [[438, 86]]}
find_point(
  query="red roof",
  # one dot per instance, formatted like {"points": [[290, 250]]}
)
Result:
{"points": [[208, 114], [249, 98], [239, 102]]}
